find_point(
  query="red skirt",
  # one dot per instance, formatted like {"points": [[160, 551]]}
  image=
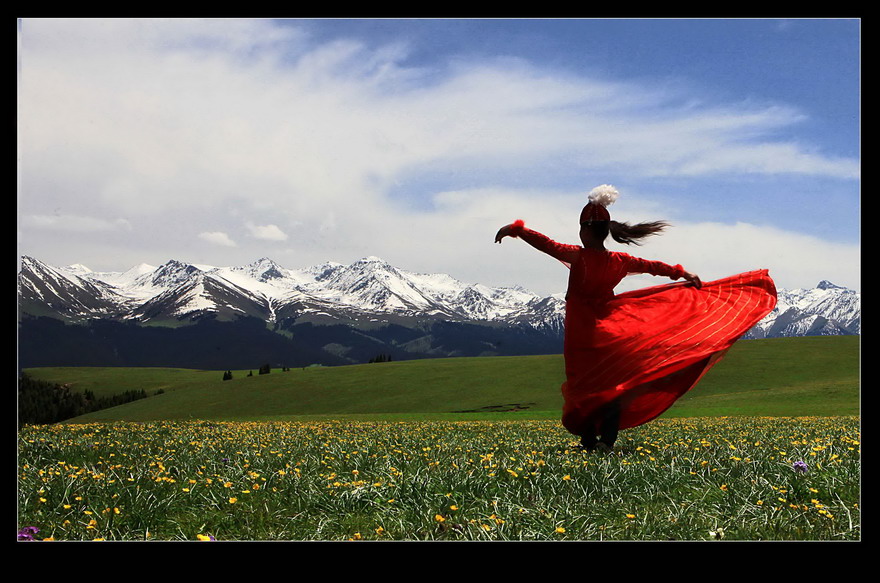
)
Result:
{"points": [[647, 347]]}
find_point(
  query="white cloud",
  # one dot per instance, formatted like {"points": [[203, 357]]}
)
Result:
{"points": [[74, 223], [267, 232], [198, 123], [217, 238], [794, 260], [147, 103], [459, 238]]}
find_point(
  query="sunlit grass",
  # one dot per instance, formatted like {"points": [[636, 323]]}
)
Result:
{"points": [[673, 479]]}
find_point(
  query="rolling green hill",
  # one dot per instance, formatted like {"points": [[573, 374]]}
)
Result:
{"points": [[775, 377]]}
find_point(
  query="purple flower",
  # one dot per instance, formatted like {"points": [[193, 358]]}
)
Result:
{"points": [[27, 533], [799, 467]]}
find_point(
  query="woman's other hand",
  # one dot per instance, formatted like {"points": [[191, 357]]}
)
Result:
{"points": [[693, 279]]}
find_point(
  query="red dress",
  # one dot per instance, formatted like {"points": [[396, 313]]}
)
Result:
{"points": [[645, 347]]}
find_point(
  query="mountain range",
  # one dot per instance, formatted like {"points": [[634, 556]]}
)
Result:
{"points": [[329, 313]]}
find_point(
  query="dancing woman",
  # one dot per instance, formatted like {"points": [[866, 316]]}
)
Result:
{"points": [[629, 356]]}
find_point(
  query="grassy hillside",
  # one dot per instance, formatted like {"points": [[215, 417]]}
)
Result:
{"points": [[776, 377]]}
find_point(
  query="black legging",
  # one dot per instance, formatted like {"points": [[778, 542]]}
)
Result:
{"points": [[608, 427]]}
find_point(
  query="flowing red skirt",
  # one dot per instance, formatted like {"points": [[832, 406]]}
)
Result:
{"points": [[647, 347]]}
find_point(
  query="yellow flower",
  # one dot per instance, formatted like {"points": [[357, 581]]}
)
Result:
{"points": [[630, 515], [453, 507], [566, 477], [560, 529], [439, 518], [204, 537], [233, 500]]}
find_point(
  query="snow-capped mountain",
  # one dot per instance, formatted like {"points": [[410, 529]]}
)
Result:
{"points": [[825, 310], [67, 293], [368, 290], [329, 314]]}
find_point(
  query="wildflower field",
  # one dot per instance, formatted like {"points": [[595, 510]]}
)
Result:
{"points": [[730, 478]]}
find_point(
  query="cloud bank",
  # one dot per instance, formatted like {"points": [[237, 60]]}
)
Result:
{"points": [[222, 141]]}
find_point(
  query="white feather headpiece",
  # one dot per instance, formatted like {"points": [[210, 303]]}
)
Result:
{"points": [[604, 195]]}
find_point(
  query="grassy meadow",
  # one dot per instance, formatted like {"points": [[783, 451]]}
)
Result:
{"points": [[767, 447], [785, 376]]}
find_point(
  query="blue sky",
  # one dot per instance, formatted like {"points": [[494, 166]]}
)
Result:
{"points": [[223, 141]]}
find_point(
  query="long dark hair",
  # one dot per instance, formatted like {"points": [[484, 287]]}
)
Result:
{"points": [[624, 232]]}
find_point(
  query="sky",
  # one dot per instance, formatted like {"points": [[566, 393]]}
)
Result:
{"points": [[223, 141]]}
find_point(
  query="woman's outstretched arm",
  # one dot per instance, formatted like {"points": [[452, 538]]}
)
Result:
{"points": [[638, 265], [565, 253]]}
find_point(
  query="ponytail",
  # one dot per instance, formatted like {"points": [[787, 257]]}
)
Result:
{"points": [[633, 234]]}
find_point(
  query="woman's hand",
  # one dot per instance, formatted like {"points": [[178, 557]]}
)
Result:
{"points": [[503, 232], [693, 279]]}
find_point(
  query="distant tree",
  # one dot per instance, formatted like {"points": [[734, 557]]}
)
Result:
{"points": [[250, 373], [381, 358], [40, 402], [265, 369]]}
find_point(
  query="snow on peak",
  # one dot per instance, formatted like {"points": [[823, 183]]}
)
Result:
{"points": [[78, 268], [825, 284], [371, 260], [264, 263], [263, 269]]}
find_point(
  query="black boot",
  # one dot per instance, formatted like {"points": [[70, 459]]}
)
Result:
{"points": [[603, 447], [588, 442], [610, 426]]}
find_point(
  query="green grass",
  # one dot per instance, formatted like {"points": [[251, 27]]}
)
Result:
{"points": [[378, 452], [817, 375], [672, 479], [782, 377]]}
